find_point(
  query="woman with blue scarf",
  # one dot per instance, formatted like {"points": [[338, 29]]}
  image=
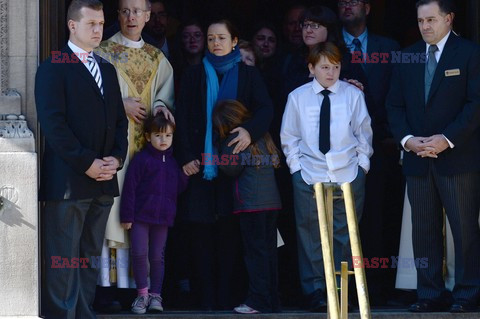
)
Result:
{"points": [[206, 207]]}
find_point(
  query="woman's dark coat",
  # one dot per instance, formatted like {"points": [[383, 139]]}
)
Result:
{"points": [[204, 200]]}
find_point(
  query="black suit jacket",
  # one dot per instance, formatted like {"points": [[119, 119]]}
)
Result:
{"points": [[79, 126], [378, 79], [452, 108]]}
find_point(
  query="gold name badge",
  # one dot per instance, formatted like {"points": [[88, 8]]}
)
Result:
{"points": [[452, 72]]}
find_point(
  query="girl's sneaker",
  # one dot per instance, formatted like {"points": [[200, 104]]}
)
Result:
{"points": [[245, 309], [155, 303], [140, 304]]}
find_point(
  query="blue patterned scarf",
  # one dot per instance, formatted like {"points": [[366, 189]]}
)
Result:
{"points": [[228, 66]]}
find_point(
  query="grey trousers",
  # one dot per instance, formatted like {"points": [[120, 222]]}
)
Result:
{"points": [[310, 260], [73, 236]]}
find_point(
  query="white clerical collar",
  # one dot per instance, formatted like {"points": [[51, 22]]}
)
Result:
{"points": [[121, 39]]}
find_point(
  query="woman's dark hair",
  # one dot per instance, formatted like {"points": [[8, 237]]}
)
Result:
{"points": [[230, 27], [179, 60], [328, 19], [230, 114], [266, 25], [157, 123], [192, 21]]}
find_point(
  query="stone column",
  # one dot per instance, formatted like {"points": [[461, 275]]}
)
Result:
{"points": [[19, 53], [19, 263], [19, 292]]}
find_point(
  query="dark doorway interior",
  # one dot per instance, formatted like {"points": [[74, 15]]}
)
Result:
{"points": [[394, 18]]}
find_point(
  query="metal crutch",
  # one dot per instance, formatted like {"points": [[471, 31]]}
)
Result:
{"points": [[324, 197]]}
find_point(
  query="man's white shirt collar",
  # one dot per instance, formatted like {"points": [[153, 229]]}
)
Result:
{"points": [[77, 50], [440, 46]]}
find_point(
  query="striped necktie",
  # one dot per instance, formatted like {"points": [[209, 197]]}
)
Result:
{"points": [[95, 71]]}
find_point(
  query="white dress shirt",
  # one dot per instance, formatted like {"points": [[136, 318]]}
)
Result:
{"points": [[438, 54], [350, 133], [82, 56]]}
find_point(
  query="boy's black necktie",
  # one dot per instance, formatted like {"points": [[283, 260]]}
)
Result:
{"points": [[324, 131]]}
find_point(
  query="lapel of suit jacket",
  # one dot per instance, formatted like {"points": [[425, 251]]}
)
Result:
{"points": [[418, 76], [449, 51], [83, 71], [373, 46]]}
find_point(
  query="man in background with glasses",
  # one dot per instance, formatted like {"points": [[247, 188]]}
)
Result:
{"points": [[157, 26], [146, 83], [292, 29], [383, 190]]}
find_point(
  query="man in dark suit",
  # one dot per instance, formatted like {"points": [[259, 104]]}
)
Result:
{"points": [[381, 219], [81, 114], [434, 112]]}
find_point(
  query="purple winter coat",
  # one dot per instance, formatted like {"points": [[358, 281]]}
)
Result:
{"points": [[151, 187]]}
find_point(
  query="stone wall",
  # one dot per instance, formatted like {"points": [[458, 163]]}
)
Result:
{"points": [[19, 268], [19, 227], [19, 27]]}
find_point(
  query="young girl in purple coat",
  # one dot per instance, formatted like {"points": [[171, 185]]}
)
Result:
{"points": [[148, 207]]}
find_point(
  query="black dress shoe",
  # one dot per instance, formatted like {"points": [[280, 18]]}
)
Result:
{"points": [[428, 305], [460, 306], [318, 302]]}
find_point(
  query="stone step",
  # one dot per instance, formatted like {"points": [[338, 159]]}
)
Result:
{"points": [[381, 314]]}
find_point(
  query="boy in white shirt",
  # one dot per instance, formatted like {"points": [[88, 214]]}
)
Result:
{"points": [[337, 152]]}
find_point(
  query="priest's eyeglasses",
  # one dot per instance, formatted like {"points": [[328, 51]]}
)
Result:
{"points": [[135, 12]]}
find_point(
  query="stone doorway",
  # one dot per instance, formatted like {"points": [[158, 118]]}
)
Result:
{"points": [[388, 18]]}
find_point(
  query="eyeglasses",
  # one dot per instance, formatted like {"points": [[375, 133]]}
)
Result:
{"points": [[312, 25], [194, 35], [352, 3], [135, 12]]}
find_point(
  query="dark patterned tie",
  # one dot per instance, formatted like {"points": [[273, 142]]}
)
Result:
{"points": [[430, 69], [358, 48], [324, 131], [95, 71]]}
